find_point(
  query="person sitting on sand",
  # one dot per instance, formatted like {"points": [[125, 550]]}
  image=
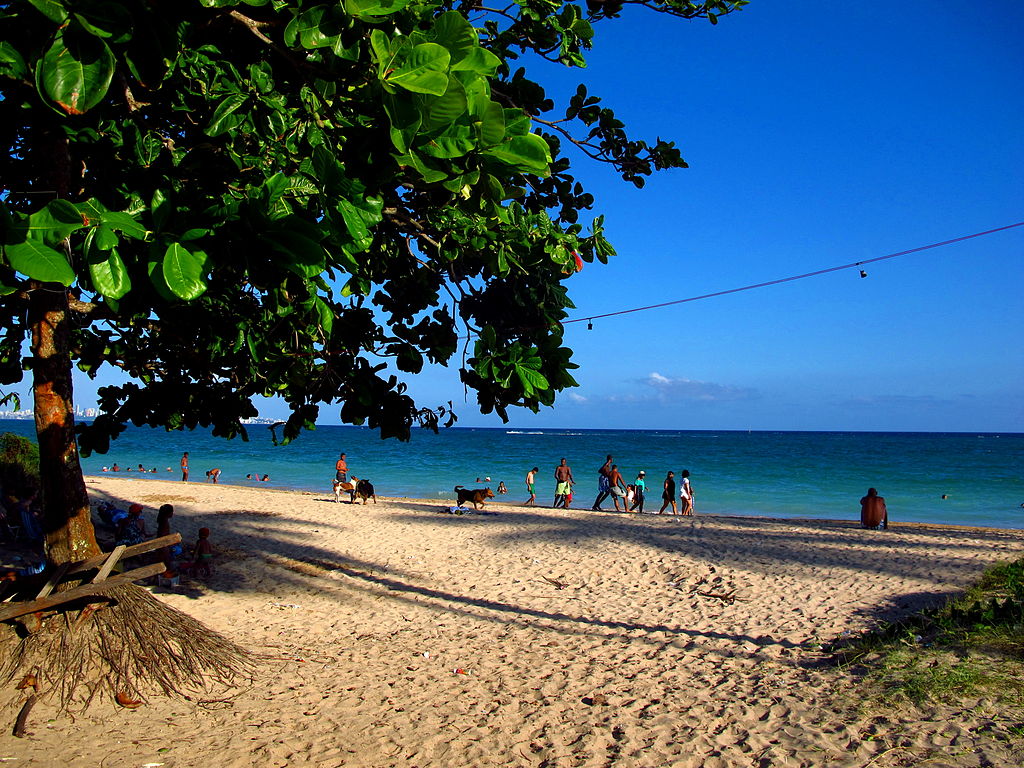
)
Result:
{"points": [[873, 511], [163, 528], [132, 529]]}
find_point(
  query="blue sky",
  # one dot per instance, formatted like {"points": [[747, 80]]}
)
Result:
{"points": [[818, 134]]}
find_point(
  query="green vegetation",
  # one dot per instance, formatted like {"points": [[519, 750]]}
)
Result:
{"points": [[19, 465], [973, 645]]}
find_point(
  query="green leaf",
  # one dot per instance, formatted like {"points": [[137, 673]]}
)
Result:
{"points": [[76, 71], [183, 271], [55, 222], [325, 313], [110, 277], [105, 238], [124, 223], [109, 20], [37, 260], [531, 379], [316, 28], [224, 118], [372, 9], [12, 64], [160, 208], [51, 9], [454, 32], [478, 60], [454, 141], [443, 110], [529, 153], [422, 70], [308, 257], [491, 124]]}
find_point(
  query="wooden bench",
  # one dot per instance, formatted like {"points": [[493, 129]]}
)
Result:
{"points": [[100, 583]]}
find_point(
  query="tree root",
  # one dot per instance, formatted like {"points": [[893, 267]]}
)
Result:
{"points": [[121, 652]]}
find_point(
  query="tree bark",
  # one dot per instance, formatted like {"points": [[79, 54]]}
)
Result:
{"points": [[67, 522]]}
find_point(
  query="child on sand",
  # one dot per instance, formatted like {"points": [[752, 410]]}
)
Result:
{"points": [[202, 555]]}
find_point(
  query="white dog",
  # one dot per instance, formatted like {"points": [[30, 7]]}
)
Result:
{"points": [[348, 487]]}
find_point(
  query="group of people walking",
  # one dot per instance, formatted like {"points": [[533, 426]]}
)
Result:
{"points": [[610, 483]]}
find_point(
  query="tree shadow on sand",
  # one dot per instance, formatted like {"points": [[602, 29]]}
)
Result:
{"points": [[291, 557]]}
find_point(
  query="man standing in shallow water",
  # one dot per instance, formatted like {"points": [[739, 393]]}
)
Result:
{"points": [[341, 470], [563, 485], [184, 467]]}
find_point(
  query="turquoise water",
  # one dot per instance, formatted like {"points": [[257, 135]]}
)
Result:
{"points": [[779, 474]]}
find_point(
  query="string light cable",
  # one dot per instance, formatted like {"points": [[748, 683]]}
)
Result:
{"points": [[589, 319]]}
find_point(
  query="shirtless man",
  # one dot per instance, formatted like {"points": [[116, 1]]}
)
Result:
{"points": [[213, 474], [184, 467], [617, 488], [341, 470], [563, 485]]}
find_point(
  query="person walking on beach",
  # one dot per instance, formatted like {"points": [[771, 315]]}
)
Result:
{"points": [[531, 476], [668, 493], [640, 488], [184, 467], [341, 470], [563, 485], [617, 487], [685, 493], [603, 483], [873, 511]]}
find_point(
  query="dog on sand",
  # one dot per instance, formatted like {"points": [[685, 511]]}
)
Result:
{"points": [[476, 496], [347, 487], [364, 491]]}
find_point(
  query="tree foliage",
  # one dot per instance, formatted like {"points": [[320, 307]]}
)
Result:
{"points": [[274, 197], [19, 466]]}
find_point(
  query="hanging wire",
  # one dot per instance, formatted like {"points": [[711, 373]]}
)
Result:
{"points": [[591, 318]]}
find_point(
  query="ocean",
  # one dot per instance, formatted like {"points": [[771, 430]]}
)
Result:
{"points": [[775, 474]]}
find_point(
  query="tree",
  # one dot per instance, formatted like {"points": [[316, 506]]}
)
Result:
{"points": [[232, 198]]}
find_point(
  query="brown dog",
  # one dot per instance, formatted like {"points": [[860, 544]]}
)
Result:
{"points": [[475, 495], [349, 488], [364, 491]]}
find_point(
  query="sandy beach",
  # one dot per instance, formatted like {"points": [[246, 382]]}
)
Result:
{"points": [[395, 635]]}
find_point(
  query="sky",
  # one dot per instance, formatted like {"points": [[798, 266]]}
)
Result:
{"points": [[818, 134]]}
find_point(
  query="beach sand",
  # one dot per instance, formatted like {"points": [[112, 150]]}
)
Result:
{"points": [[393, 635]]}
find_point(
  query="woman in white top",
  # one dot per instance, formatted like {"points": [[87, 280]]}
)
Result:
{"points": [[685, 493]]}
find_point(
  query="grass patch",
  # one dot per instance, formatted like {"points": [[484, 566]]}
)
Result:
{"points": [[972, 645]]}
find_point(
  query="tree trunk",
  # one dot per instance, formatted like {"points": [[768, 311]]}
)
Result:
{"points": [[67, 523]]}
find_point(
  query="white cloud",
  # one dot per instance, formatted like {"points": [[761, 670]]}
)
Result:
{"points": [[669, 388]]}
